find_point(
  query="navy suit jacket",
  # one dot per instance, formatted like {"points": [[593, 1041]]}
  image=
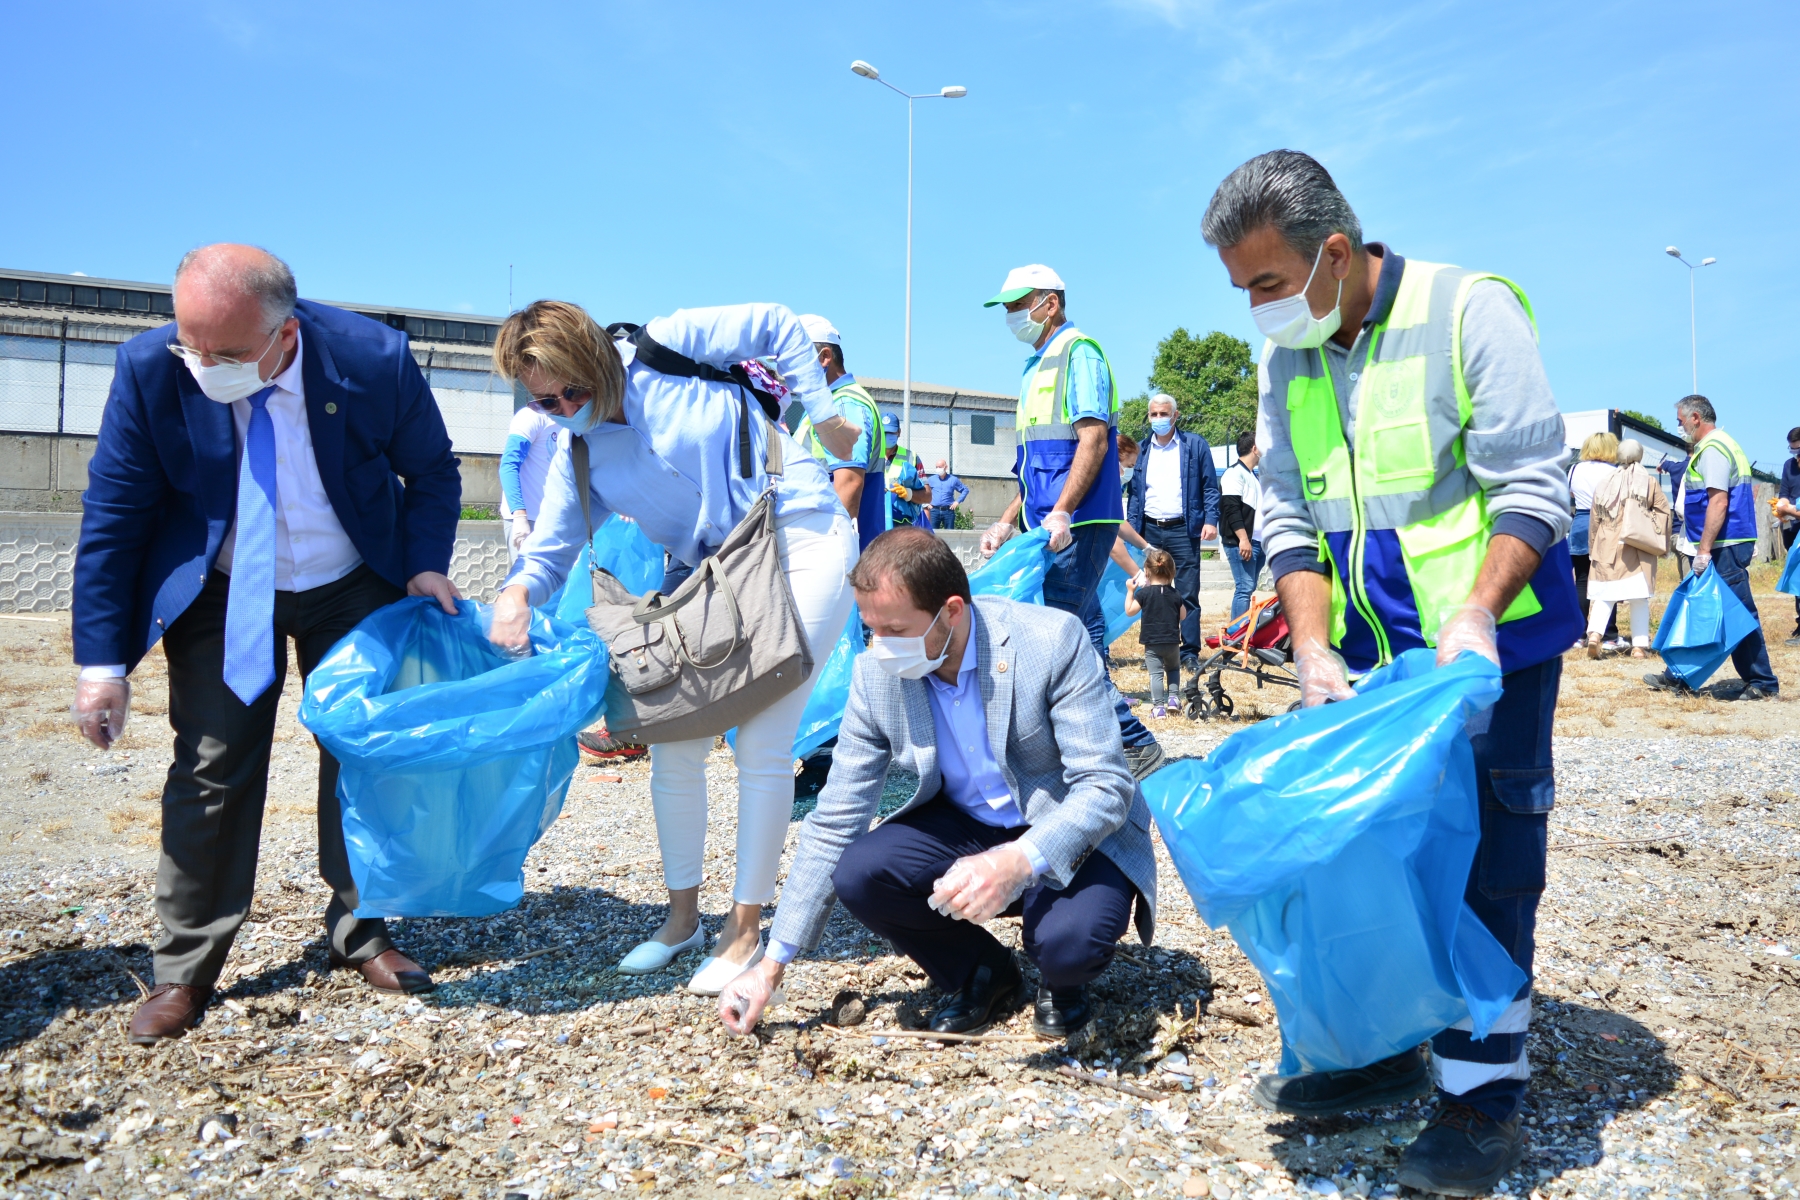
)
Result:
{"points": [[162, 485], [1198, 479]]}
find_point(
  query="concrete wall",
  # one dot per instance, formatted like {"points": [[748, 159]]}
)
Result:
{"points": [[43, 472]]}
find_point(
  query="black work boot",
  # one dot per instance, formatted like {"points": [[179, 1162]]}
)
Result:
{"points": [[1327, 1093], [1462, 1152]]}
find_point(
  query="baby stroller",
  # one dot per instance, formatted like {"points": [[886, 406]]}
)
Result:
{"points": [[1257, 644]]}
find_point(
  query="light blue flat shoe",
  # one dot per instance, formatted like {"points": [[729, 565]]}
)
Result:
{"points": [[647, 958]]}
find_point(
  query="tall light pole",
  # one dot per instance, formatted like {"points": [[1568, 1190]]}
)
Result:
{"points": [[1693, 328], [950, 93]]}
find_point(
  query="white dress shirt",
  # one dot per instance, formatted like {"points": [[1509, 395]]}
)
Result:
{"points": [[311, 547], [1162, 479]]}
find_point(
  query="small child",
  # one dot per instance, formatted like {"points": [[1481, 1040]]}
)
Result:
{"points": [[1160, 630]]}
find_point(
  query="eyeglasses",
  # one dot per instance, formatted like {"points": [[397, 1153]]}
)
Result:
{"points": [[192, 357], [552, 405]]}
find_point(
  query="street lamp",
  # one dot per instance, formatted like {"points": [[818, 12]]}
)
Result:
{"points": [[950, 93], [1693, 329]]}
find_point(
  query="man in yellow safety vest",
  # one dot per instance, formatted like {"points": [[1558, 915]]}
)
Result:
{"points": [[1413, 496]]}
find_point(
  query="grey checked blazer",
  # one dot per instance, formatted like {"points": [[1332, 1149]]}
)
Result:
{"points": [[1049, 707]]}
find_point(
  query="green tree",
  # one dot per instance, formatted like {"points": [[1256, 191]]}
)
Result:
{"points": [[1646, 418], [1213, 380]]}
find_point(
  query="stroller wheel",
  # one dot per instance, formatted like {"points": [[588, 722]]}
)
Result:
{"points": [[1195, 708], [1222, 704]]}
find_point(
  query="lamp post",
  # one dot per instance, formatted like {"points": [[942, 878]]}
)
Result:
{"points": [[1693, 328], [949, 93]]}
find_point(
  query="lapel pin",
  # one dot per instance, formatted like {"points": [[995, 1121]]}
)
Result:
{"points": [[1000, 666], [331, 408]]}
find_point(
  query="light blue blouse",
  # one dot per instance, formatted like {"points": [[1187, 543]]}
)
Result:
{"points": [[673, 465]]}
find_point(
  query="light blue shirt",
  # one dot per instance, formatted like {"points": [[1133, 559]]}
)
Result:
{"points": [[673, 465], [1089, 390], [972, 778], [857, 413]]}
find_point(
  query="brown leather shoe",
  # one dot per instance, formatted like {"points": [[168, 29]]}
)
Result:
{"points": [[169, 1011], [391, 971]]}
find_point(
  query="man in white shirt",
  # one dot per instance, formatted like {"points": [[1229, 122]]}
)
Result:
{"points": [[1240, 492], [1173, 503], [289, 475]]}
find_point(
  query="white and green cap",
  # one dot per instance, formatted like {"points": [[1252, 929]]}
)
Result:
{"points": [[1022, 281]]}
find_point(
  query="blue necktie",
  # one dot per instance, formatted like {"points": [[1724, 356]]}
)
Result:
{"points": [[250, 605]]}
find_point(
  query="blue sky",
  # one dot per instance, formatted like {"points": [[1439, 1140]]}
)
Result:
{"points": [[638, 158]]}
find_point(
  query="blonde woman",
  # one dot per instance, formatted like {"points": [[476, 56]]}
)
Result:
{"points": [[1622, 573], [663, 450], [1599, 458]]}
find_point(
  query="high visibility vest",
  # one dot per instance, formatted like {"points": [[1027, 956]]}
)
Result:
{"points": [[1402, 521], [1047, 438], [1740, 511], [872, 511]]}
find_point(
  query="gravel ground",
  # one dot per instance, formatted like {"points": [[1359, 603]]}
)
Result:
{"points": [[1664, 1050]]}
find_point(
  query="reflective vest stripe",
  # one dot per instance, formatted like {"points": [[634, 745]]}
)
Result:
{"points": [[1047, 438]]}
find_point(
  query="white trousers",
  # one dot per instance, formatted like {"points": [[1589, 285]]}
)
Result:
{"points": [[1600, 611], [817, 552]]}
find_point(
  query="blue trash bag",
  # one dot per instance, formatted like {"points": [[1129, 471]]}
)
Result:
{"points": [[1016, 571], [1790, 575], [830, 692], [454, 759], [1112, 596], [619, 546], [1701, 626], [1335, 843]]}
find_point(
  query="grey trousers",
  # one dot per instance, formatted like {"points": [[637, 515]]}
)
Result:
{"points": [[212, 806]]}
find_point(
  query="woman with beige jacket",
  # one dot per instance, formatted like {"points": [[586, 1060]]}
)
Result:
{"points": [[1619, 571]]}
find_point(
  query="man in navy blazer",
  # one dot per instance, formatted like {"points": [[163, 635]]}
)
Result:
{"points": [[267, 468], [1173, 503]]}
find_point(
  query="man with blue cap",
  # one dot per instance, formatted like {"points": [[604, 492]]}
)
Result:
{"points": [[859, 478], [1068, 466]]}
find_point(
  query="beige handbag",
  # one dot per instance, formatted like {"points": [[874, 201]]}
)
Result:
{"points": [[725, 645], [1641, 526]]}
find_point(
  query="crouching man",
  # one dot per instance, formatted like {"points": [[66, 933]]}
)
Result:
{"points": [[1025, 805]]}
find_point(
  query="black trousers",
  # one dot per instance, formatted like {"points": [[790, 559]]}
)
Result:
{"points": [[212, 806], [884, 878]]}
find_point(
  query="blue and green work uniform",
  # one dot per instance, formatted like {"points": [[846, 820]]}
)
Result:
{"points": [[906, 475], [869, 454], [1396, 512], [1719, 462], [1069, 380]]}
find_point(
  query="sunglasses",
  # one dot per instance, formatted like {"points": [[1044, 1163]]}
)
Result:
{"points": [[552, 406]]}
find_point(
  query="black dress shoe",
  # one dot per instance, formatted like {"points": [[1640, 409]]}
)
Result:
{"points": [[1462, 1152], [1327, 1093], [987, 994], [1059, 1013]]}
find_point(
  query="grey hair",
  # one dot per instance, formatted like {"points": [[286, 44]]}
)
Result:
{"points": [[270, 281], [1630, 451], [1288, 190], [1173, 403], [1697, 406]]}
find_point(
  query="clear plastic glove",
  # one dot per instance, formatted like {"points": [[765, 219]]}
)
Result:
{"points": [[1138, 580], [521, 529], [100, 709], [982, 886], [1322, 675], [1701, 562], [996, 536], [742, 1002], [1470, 627], [837, 435], [509, 627], [1059, 525]]}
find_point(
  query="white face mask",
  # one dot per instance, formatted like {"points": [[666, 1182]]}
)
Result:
{"points": [[228, 383], [906, 657], [1289, 321], [1023, 327]]}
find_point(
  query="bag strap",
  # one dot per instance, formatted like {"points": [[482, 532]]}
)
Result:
{"points": [[664, 361], [650, 610], [578, 457]]}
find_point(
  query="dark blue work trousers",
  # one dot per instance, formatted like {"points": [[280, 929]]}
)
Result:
{"points": [[1751, 657], [1515, 779], [885, 878], [1072, 584]]}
